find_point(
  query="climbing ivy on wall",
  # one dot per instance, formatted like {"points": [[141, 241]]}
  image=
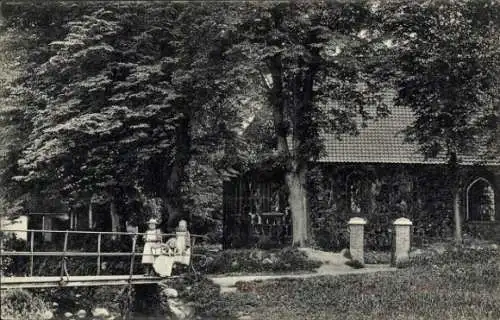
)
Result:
{"points": [[384, 193]]}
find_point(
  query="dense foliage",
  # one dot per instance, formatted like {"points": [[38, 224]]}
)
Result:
{"points": [[386, 192], [139, 108], [21, 304], [120, 101], [446, 60], [447, 55], [255, 261], [315, 77]]}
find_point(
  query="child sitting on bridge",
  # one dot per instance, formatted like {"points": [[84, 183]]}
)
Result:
{"points": [[175, 250], [152, 240]]}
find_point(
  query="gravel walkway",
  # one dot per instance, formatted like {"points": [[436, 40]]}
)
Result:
{"points": [[333, 265]]}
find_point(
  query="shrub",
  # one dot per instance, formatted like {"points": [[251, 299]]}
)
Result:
{"points": [[9, 265], [6, 266], [21, 304], [211, 304], [403, 264], [453, 255], [72, 299], [355, 264], [377, 257], [255, 260], [203, 293]]}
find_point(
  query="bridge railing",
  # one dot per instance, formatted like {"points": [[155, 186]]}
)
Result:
{"points": [[123, 248]]}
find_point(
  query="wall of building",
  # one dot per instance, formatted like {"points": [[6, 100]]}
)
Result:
{"points": [[488, 230], [382, 193], [254, 209]]}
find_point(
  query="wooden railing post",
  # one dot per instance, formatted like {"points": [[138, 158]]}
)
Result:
{"points": [[99, 236], [1, 252], [32, 244], [134, 240], [63, 260]]}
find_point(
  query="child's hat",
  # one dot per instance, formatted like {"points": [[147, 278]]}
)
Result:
{"points": [[153, 221]]}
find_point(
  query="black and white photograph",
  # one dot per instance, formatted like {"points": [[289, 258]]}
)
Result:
{"points": [[250, 160]]}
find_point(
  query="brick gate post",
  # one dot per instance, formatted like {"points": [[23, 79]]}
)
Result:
{"points": [[401, 251], [356, 239]]}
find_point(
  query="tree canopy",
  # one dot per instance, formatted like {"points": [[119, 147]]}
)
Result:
{"points": [[128, 102], [117, 102], [447, 56], [446, 63], [312, 62]]}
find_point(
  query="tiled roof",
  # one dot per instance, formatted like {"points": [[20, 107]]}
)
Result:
{"points": [[382, 141]]}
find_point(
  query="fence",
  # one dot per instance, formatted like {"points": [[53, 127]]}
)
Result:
{"points": [[122, 248]]}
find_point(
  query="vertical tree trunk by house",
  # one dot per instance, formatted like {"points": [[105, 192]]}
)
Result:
{"points": [[456, 183], [291, 119], [295, 175], [298, 205], [457, 215]]}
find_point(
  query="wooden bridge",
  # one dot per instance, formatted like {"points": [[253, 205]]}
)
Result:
{"points": [[76, 264]]}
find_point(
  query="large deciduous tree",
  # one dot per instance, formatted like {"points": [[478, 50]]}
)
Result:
{"points": [[119, 102], [103, 111], [10, 119], [198, 76], [447, 56], [25, 35], [311, 57]]}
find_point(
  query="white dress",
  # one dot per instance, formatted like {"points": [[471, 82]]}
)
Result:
{"points": [[151, 239]]}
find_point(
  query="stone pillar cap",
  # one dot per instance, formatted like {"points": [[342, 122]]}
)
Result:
{"points": [[402, 222], [357, 220]]}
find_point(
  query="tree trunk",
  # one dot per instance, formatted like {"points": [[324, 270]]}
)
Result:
{"points": [[115, 218], [299, 116], [91, 215], [2, 18], [172, 198], [174, 176], [456, 183], [297, 200], [457, 215]]}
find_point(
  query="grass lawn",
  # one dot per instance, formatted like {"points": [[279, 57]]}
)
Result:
{"points": [[461, 284]]}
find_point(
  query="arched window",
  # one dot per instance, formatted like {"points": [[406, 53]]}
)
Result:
{"points": [[480, 197], [359, 185]]}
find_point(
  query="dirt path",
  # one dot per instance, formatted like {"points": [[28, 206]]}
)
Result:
{"points": [[333, 265]]}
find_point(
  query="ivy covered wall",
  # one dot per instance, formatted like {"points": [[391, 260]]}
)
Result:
{"points": [[380, 193]]}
